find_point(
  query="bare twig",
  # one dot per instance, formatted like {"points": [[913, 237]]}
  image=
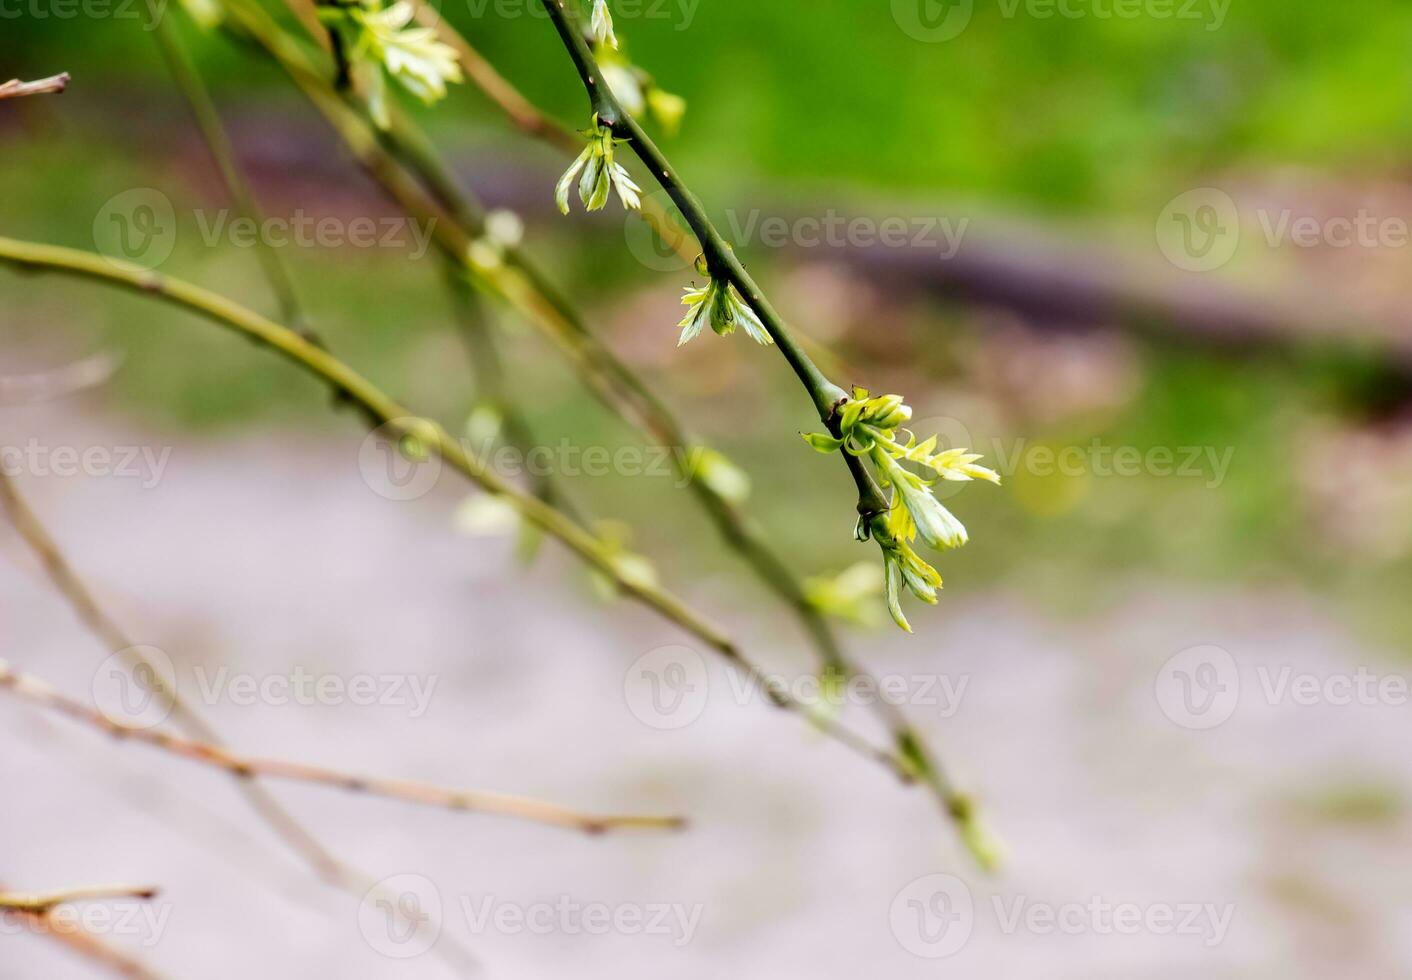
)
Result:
{"points": [[38, 692], [41, 903], [115, 639], [15, 89], [89, 946]]}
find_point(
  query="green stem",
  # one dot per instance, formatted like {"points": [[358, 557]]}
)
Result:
{"points": [[208, 120], [721, 260]]}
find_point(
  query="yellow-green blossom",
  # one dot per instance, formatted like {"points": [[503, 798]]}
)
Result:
{"points": [[601, 24], [377, 39], [870, 428], [720, 304], [601, 174]]}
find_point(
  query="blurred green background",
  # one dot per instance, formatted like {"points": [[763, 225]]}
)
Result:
{"points": [[1080, 127]]}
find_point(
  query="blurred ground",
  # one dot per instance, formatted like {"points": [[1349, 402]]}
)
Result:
{"points": [[264, 552]]}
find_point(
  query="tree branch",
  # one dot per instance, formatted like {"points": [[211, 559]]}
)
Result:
{"points": [[38, 692]]}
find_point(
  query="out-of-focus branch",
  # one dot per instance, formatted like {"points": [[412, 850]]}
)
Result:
{"points": [[426, 794], [208, 121], [42, 903], [396, 420], [16, 89], [91, 947], [115, 639]]}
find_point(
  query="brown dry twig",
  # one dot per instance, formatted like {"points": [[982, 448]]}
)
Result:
{"points": [[15, 89], [42, 903], [38, 692]]}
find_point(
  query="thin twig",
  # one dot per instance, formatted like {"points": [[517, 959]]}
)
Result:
{"points": [[213, 132], [114, 638], [42, 903], [488, 369], [36, 691], [15, 89], [91, 947]]}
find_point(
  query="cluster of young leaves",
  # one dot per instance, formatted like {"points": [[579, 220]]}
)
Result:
{"points": [[601, 174], [376, 41], [873, 429]]}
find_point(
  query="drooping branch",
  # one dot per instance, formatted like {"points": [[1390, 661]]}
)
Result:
{"points": [[721, 260], [724, 265], [432, 196]]}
